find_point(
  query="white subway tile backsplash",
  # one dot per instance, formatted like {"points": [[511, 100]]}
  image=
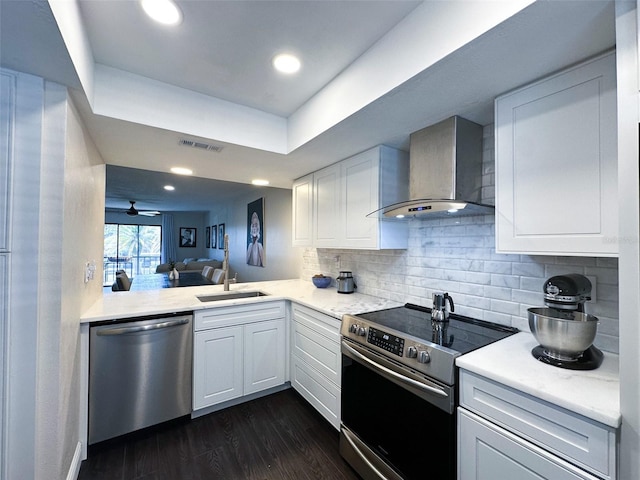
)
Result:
{"points": [[458, 256]]}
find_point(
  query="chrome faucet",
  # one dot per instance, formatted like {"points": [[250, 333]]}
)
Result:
{"points": [[225, 263]]}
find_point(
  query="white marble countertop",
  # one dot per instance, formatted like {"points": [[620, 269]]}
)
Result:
{"points": [[591, 393], [594, 393], [117, 305]]}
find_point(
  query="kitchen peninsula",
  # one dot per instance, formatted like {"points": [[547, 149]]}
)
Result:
{"points": [[592, 396], [120, 305]]}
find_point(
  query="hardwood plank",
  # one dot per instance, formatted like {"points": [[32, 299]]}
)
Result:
{"points": [[278, 437]]}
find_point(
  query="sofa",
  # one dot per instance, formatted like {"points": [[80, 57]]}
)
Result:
{"points": [[190, 265]]}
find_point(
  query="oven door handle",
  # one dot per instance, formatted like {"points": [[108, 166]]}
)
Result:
{"points": [[347, 436], [396, 375]]}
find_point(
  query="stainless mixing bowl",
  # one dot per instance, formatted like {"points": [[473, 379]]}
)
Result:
{"points": [[563, 335]]}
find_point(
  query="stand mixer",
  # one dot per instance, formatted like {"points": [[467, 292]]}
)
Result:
{"points": [[563, 329]]}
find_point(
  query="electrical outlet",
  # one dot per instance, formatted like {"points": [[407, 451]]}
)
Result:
{"points": [[89, 271]]}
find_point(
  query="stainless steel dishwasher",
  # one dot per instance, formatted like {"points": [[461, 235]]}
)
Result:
{"points": [[139, 373]]}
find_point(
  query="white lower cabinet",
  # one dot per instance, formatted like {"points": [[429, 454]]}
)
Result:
{"points": [[316, 360], [488, 452], [238, 351], [505, 433]]}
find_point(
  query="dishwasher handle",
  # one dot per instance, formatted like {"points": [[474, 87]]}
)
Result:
{"points": [[142, 328]]}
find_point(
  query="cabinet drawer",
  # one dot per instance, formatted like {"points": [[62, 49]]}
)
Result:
{"points": [[316, 350], [488, 452], [238, 314], [321, 323], [316, 343], [317, 390], [578, 439]]}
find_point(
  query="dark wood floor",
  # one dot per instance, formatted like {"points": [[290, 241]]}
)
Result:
{"points": [[275, 437]]}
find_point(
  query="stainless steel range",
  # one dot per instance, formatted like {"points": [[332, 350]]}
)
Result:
{"points": [[399, 389]]}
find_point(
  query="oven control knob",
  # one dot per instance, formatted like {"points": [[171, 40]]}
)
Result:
{"points": [[361, 331], [412, 352], [423, 356], [353, 328]]}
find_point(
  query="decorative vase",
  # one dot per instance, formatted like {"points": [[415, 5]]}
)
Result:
{"points": [[173, 274]]}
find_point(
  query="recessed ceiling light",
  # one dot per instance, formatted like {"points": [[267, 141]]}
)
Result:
{"points": [[260, 182], [171, 188], [286, 63], [162, 11], [181, 171]]}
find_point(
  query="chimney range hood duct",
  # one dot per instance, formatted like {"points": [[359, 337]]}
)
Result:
{"points": [[445, 173]]}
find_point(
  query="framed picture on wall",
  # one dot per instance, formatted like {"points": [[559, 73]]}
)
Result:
{"points": [[214, 235], [207, 237], [255, 233], [187, 237], [221, 236]]}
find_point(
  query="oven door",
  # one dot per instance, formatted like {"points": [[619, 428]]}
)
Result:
{"points": [[396, 423]]}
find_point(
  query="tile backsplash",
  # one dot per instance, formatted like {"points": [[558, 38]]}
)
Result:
{"points": [[458, 256]]}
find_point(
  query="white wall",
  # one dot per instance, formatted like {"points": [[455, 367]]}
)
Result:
{"points": [[282, 260], [628, 194], [82, 241], [58, 192], [460, 258]]}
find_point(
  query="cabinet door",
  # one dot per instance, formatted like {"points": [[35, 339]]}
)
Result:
{"points": [[487, 452], [556, 165], [264, 357], [360, 197], [217, 366], [7, 102], [302, 212], [328, 226]]}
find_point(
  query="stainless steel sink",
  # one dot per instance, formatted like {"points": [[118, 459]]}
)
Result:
{"points": [[230, 296]]}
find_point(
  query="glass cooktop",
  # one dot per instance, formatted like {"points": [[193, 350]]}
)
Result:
{"points": [[461, 334]]}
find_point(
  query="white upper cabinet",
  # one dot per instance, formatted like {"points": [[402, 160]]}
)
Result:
{"points": [[556, 164], [327, 227], [302, 211], [345, 193]]}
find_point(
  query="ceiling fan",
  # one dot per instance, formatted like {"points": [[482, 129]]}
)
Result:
{"points": [[132, 212]]}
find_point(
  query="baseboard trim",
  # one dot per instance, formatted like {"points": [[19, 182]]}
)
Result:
{"points": [[74, 468], [238, 401]]}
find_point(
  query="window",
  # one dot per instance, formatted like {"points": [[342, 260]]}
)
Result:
{"points": [[132, 248]]}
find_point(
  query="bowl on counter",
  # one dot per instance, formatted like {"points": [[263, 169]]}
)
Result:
{"points": [[321, 281], [563, 335]]}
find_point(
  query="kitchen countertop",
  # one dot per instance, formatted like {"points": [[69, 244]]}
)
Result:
{"points": [[118, 305], [591, 393]]}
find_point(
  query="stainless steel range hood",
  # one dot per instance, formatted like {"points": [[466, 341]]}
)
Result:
{"points": [[445, 173]]}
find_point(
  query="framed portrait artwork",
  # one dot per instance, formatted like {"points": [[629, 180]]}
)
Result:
{"points": [[214, 235], [221, 236], [207, 236], [187, 237], [255, 233]]}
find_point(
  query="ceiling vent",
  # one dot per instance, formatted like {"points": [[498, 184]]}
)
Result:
{"points": [[200, 145]]}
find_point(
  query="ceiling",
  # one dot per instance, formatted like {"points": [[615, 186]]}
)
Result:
{"points": [[224, 48], [222, 51]]}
